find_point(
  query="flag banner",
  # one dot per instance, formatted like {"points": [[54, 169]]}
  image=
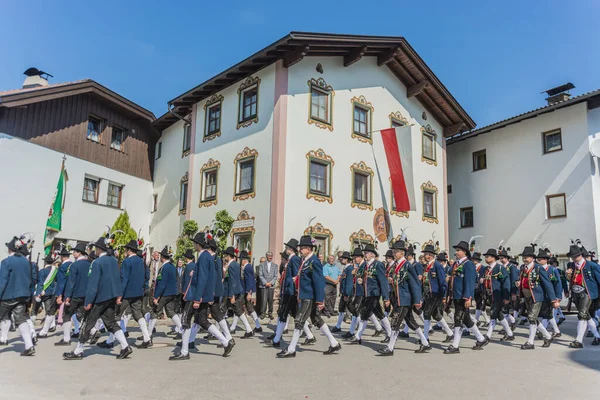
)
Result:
{"points": [[54, 222], [397, 143]]}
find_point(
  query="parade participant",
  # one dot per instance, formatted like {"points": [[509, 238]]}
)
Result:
{"points": [[311, 292], [408, 295], [15, 281], [481, 299], [103, 289], [358, 291], [45, 291], [61, 278], [215, 308], [497, 287], [546, 313], [561, 288], [435, 287], [461, 291], [165, 293], [511, 310], [236, 293], [536, 288], [198, 300], [75, 290], [584, 278], [249, 286], [346, 289], [188, 281], [288, 302], [375, 286], [416, 269]]}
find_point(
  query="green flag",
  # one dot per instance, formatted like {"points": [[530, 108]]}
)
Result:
{"points": [[54, 223]]}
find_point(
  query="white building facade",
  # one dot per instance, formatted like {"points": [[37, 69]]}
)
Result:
{"points": [[528, 178]]}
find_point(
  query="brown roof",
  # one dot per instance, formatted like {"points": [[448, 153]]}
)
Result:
{"points": [[20, 97], [394, 52]]}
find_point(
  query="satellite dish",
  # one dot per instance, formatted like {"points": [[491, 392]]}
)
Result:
{"points": [[595, 147]]}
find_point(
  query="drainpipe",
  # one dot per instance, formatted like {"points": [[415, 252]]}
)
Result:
{"points": [[169, 105]]}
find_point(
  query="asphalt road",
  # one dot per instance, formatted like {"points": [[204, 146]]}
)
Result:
{"points": [[252, 371]]}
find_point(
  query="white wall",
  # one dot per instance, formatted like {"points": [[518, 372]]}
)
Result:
{"points": [[508, 197], [387, 94], [31, 173], [594, 134]]}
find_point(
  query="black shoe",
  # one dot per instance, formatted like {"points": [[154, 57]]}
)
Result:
{"points": [[75, 335], [145, 345], [547, 342], [332, 350], [228, 348], [308, 342], [51, 330], [589, 334], [539, 336], [172, 332], [403, 334], [513, 326], [452, 350], [423, 349], [527, 346], [385, 352], [576, 345], [271, 343], [556, 335], [102, 331], [286, 331], [335, 329], [28, 352], [42, 336], [232, 331], [466, 333], [248, 335], [106, 345], [3, 343], [386, 340], [347, 335], [179, 357], [271, 316], [210, 336], [126, 352], [286, 354], [62, 342], [437, 328], [431, 332], [502, 332], [95, 338], [14, 329], [126, 334], [560, 321], [303, 335], [34, 340], [507, 338], [418, 342], [448, 339], [258, 330], [355, 340], [522, 322], [596, 342], [478, 324], [480, 345], [378, 333], [72, 356], [177, 337], [153, 331], [271, 337]]}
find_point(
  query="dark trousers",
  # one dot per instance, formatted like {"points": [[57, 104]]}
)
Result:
{"points": [[288, 305], [343, 306], [354, 305], [266, 297], [75, 307], [496, 309], [247, 303], [532, 309], [50, 305], [586, 308], [133, 305], [215, 310], [462, 314], [16, 307], [166, 303], [369, 306], [104, 311], [147, 301], [481, 299], [330, 296], [432, 308], [400, 314], [308, 309], [200, 315]]}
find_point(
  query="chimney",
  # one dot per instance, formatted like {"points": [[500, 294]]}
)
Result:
{"points": [[35, 78], [559, 93]]}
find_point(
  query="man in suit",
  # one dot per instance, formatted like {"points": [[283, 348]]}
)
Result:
{"points": [[267, 272], [152, 272], [496, 283], [166, 293], [249, 285]]}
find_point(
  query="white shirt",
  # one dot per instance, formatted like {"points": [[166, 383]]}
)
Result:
{"points": [[462, 260], [81, 258], [102, 254], [269, 266]]}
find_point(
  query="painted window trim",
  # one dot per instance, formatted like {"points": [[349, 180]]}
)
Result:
{"points": [[401, 214], [460, 216], [362, 168], [430, 188], [249, 84], [398, 118], [211, 103], [551, 132], [211, 165], [362, 102], [476, 154], [186, 152], [552, 196], [321, 157], [319, 231], [184, 179], [429, 132], [245, 155], [322, 86], [243, 216], [362, 237]]}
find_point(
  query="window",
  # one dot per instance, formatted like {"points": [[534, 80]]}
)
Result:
{"points": [[245, 174], [115, 192], [396, 123], [362, 113], [187, 139], [322, 245], [397, 119], [361, 121], [319, 105], [158, 150], [466, 217], [362, 182], [248, 102], [210, 185], [154, 202], [361, 188], [479, 160], [118, 137], [242, 240], [552, 141], [449, 189], [90, 189], [319, 178], [183, 196], [94, 128], [428, 146], [429, 193], [556, 206], [214, 120]]}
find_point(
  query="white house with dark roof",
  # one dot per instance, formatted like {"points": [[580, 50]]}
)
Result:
{"points": [[529, 177]]}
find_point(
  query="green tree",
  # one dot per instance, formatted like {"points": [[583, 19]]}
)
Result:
{"points": [[184, 241], [223, 225], [123, 233]]}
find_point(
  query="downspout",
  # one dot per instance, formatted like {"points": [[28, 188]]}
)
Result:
{"points": [[169, 105], [192, 124]]}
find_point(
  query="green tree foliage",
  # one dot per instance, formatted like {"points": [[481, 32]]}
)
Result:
{"points": [[223, 225], [123, 233], [184, 241]]}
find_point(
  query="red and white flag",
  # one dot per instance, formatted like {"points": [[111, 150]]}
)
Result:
{"points": [[397, 143]]}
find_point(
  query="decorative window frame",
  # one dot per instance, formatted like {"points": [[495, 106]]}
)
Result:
{"points": [[363, 168], [210, 103], [209, 166], [362, 102], [243, 216], [429, 131], [397, 117], [244, 87], [401, 214], [430, 188], [320, 155], [186, 152], [245, 155], [319, 231], [321, 85], [553, 196], [436, 244], [185, 178], [362, 237]]}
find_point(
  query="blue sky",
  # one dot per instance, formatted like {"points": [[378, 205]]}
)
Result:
{"points": [[494, 57]]}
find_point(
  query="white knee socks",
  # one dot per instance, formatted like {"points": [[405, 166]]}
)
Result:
{"points": [[225, 329], [477, 315], [361, 329], [375, 322], [592, 327], [491, 327], [216, 333], [543, 330], [426, 326], [185, 341], [307, 330], [120, 336], [234, 322], [532, 330], [76, 324], [195, 329], [66, 331], [255, 318], [287, 320], [79, 348], [26, 335], [280, 328], [506, 327], [581, 330], [151, 325], [144, 329], [47, 324], [385, 322], [294, 341], [177, 320], [339, 320], [245, 322], [554, 325], [5, 325], [325, 331], [457, 335], [353, 324], [32, 328], [392, 342], [421, 336], [445, 327]]}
